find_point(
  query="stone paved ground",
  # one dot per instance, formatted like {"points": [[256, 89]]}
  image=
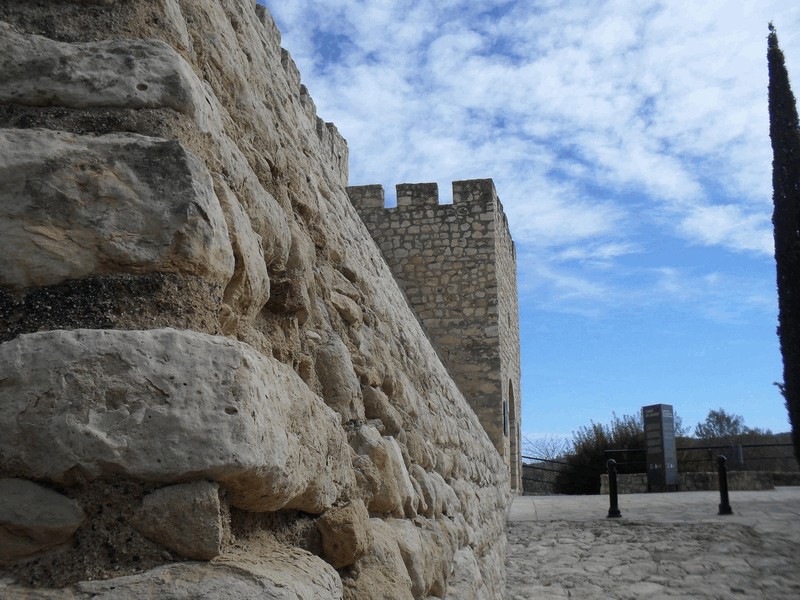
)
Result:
{"points": [[665, 546]]}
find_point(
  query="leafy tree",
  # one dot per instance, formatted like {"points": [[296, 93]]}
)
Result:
{"points": [[588, 460], [783, 131], [720, 424], [727, 432], [680, 430]]}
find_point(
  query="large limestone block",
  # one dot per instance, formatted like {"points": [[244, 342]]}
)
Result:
{"points": [[349, 310], [393, 491], [420, 449], [37, 71], [290, 292], [73, 206], [381, 574], [278, 573], [166, 405], [378, 406], [427, 554], [186, 518], [34, 519], [446, 500], [249, 288], [346, 535], [340, 386], [429, 500], [465, 582]]}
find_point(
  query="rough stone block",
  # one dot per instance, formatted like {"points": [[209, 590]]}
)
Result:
{"points": [[185, 518], [37, 71], [378, 406], [340, 387], [73, 206], [346, 534], [166, 405], [466, 582], [249, 288], [34, 519], [347, 308], [394, 488], [427, 554], [429, 502], [446, 501], [278, 573], [381, 574]]}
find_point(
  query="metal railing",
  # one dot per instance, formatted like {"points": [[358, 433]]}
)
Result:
{"points": [[544, 477], [738, 456]]}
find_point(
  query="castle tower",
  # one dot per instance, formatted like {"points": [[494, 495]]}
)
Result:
{"points": [[457, 265]]}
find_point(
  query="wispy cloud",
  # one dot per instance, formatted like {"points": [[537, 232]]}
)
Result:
{"points": [[606, 126], [730, 226]]}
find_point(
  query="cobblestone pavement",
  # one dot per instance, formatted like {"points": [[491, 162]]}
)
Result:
{"points": [[665, 546]]}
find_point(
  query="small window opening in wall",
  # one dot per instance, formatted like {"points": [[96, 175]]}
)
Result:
{"points": [[505, 418]]}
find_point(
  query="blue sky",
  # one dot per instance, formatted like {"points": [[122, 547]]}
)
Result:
{"points": [[629, 143]]}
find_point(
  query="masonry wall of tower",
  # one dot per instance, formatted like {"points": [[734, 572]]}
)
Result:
{"points": [[210, 380], [456, 264]]}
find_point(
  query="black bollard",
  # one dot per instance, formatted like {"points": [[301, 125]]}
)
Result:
{"points": [[724, 502], [613, 508]]}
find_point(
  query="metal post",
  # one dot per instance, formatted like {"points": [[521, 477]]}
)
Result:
{"points": [[613, 509], [724, 502]]}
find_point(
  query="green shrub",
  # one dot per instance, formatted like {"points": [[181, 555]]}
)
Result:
{"points": [[587, 461]]}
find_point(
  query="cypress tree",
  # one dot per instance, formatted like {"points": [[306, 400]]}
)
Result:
{"points": [[783, 131]]}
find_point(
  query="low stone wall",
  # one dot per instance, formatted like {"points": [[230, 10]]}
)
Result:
{"points": [[636, 483], [737, 481], [781, 478], [536, 482]]}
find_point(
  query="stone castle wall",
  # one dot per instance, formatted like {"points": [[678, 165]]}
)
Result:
{"points": [[457, 266], [211, 385]]}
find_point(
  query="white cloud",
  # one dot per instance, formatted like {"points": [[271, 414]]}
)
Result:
{"points": [[605, 125], [597, 254], [729, 226]]}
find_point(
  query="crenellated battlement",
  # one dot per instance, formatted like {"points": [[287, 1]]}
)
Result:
{"points": [[469, 192], [415, 195]]}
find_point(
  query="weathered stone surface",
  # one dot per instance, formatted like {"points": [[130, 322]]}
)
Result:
{"points": [[138, 74], [394, 488], [381, 574], [377, 406], [446, 502], [34, 518], [277, 573], [426, 490], [427, 555], [74, 206], [185, 518], [346, 534], [16, 592], [269, 155], [161, 405], [347, 308], [249, 288], [340, 387], [466, 582], [419, 449], [290, 291]]}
